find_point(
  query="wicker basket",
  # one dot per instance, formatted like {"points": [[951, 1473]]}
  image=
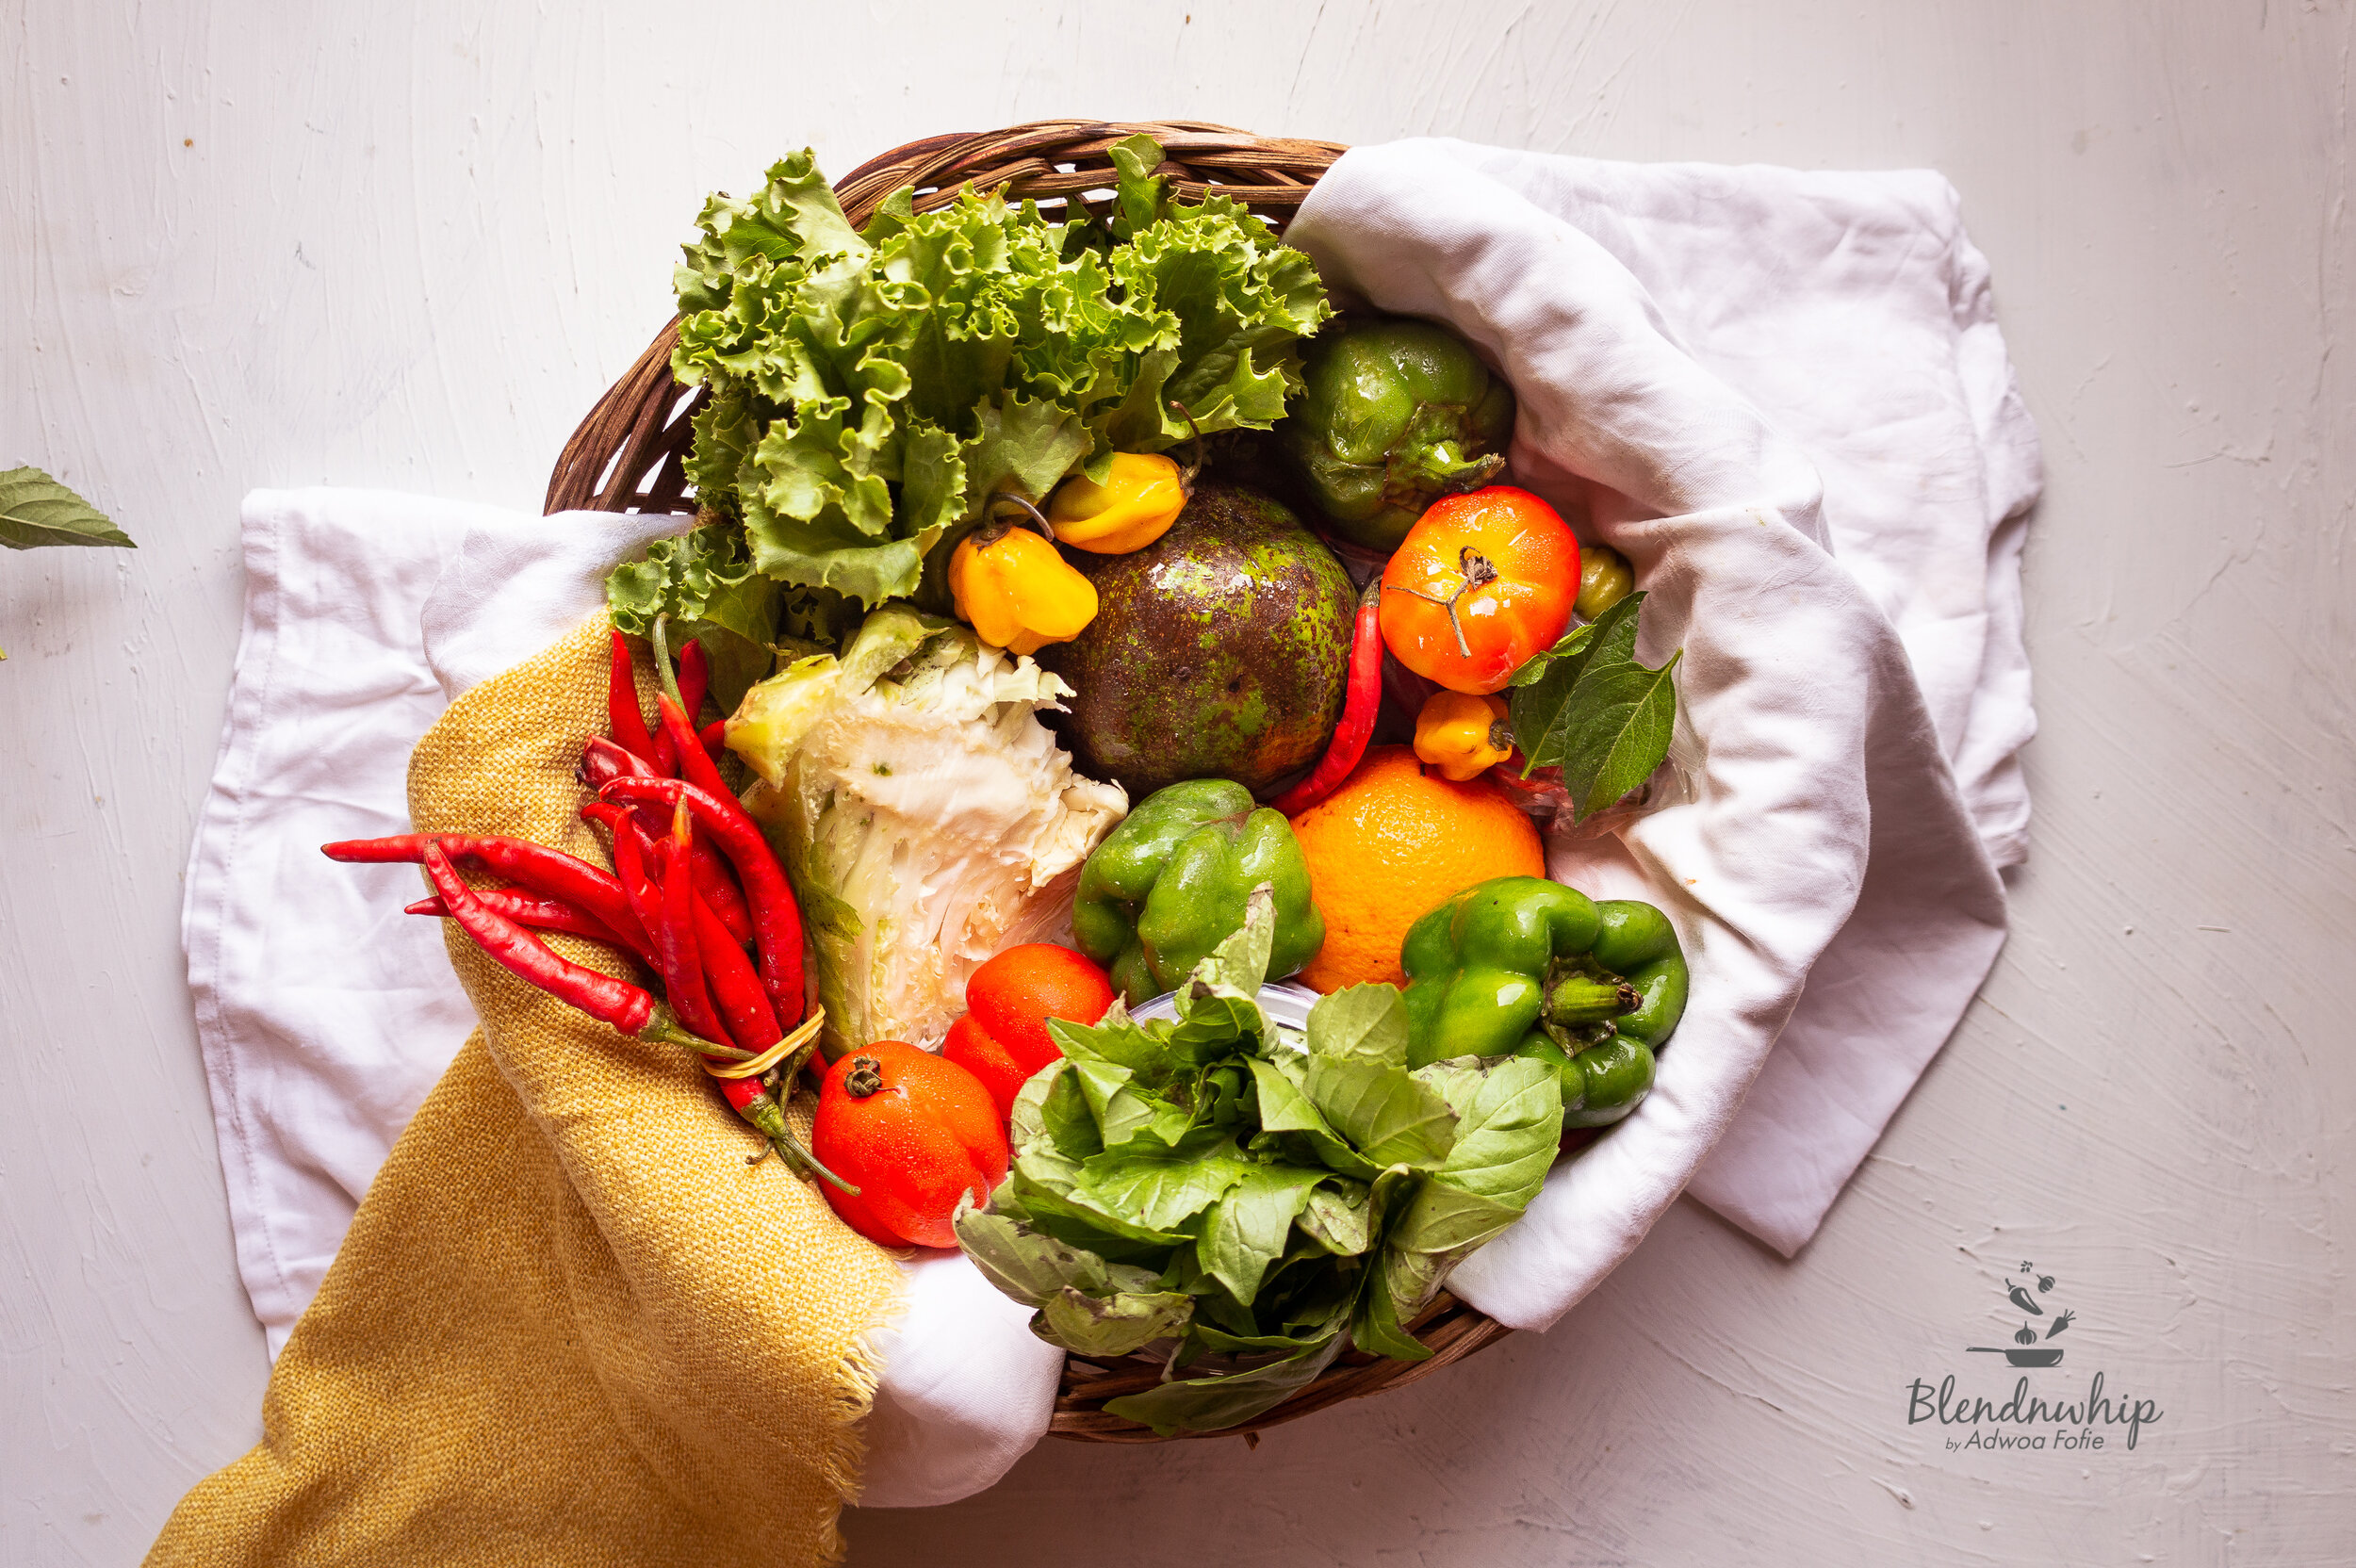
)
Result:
{"points": [[628, 456]]}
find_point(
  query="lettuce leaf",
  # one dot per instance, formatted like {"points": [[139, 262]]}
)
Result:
{"points": [[869, 391]]}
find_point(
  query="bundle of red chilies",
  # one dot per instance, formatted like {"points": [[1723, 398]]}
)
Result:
{"points": [[694, 884]]}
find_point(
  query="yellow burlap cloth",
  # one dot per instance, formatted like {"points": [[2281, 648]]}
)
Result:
{"points": [[569, 1325]]}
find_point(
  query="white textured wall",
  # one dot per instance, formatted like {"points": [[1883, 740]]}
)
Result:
{"points": [[251, 244]]}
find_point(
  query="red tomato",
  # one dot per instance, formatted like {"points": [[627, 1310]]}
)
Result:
{"points": [[914, 1134], [1481, 584], [1003, 1039]]}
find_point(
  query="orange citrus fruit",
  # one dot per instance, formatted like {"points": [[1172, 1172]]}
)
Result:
{"points": [[1394, 841]]}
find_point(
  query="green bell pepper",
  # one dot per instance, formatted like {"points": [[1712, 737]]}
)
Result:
{"points": [[1393, 414], [1519, 965], [1169, 883]]}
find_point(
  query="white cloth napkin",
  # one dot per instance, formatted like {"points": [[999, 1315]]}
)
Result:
{"points": [[1843, 580]]}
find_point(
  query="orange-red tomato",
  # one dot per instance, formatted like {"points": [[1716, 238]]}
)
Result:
{"points": [[914, 1134], [1481, 584], [1003, 1039]]}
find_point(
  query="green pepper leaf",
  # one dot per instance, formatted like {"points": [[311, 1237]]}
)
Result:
{"points": [[1570, 649], [1245, 1230], [1600, 716], [1214, 1404], [35, 510], [1111, 1324]]}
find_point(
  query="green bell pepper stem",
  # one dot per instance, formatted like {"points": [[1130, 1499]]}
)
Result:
{"points": [[1522, 965], [1589, 999]]}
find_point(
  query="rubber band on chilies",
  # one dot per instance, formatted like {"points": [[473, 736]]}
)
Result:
{"points": [[737, 994], [776, 1053]]}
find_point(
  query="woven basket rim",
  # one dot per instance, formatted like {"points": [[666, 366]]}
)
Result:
{"points": [[627, 455]]}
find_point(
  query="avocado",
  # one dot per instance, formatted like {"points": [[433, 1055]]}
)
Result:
{"points": [[1222, 651]]}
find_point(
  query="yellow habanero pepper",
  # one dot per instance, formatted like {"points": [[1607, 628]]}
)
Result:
{"points": [[1135, 506], [1462, 735], [1015, 591], [1142, 496]]}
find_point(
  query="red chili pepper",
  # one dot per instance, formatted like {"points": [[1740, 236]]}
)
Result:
{"points": [[715, 738], [736, 992], [694, 766], [683, 984], [776, 918], [695, 678], [628, 721], [617, 1002], [630, 858], [534, 914], [526, 957], [1349, 745], [602, 761], [534, 866]]}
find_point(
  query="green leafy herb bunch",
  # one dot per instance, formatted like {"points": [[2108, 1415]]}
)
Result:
{"points": [[1241, 1199]]}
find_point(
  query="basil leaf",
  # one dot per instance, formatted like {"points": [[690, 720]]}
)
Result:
{"points": [[1286, 1107], [1239, 965], [1384, 1111], [1120, 1041], [1074, 1218], [1053, 1107], [1368, 1022], [1162, 1190], [1508, 1125], [1376, 1326], [1138, 1123], [1213, 1404], [1031, 1267], [1245, 1230], [35, 510], [1111, 1324], [1336, 1214], [1445, 1219]]}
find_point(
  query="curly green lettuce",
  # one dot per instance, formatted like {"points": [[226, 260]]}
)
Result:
{"points": [[871, 388]]}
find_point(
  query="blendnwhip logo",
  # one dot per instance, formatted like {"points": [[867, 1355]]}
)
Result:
{"points": [[2052, 1417]]}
